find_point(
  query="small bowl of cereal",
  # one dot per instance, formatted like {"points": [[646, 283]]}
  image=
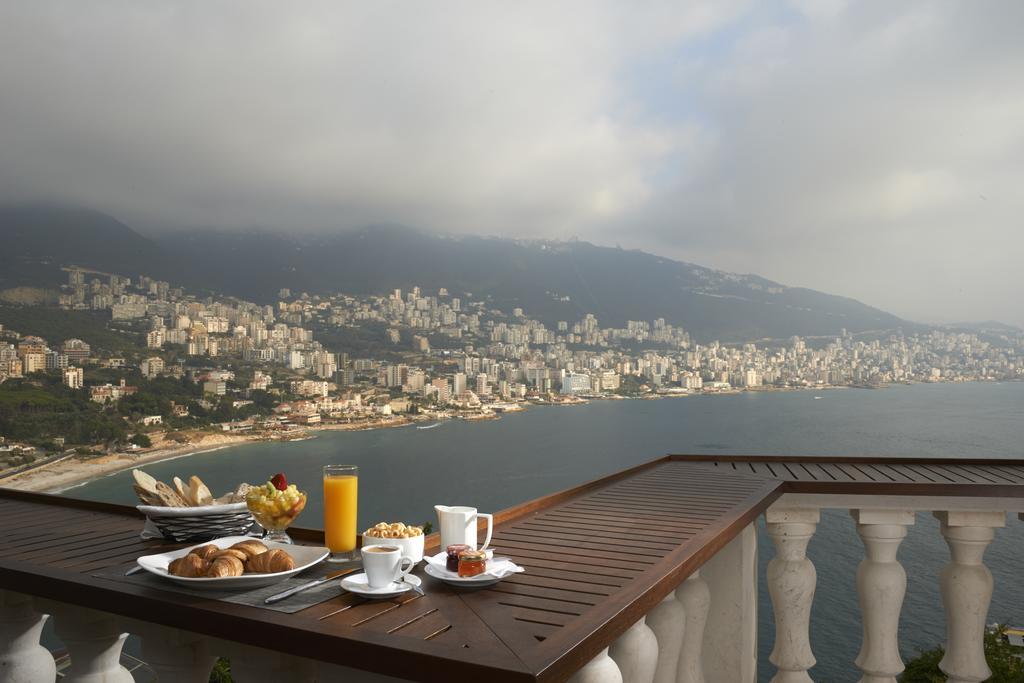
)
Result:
{"points": [[408, 538]]}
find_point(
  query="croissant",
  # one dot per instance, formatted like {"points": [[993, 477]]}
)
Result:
{"points": [[191, 566], [229, 552], [225, 565], [250, 548], [205, 551], [271, 562]]}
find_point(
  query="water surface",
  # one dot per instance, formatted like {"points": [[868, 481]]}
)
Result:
{"points": [[496, 464]]}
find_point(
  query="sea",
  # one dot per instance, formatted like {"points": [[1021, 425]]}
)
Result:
{"points": [[495, 464]]}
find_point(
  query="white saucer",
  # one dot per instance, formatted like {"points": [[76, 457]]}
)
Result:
{"points": [[478, 581], [356, 583]]}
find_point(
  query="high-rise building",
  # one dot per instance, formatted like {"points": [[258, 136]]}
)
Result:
{"points": [[216, 387], [459, 383], [155, 338], [56, 361], [151, 367], [33, 362], [482, 387], [443, 390], [397, 375], [74, 378], [575, 383]]}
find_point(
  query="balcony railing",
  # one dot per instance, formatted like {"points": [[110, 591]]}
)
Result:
{"points": [[649, 575]]}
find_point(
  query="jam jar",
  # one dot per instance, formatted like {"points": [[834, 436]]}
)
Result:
{"points": [[452, 561], [472, 562]]}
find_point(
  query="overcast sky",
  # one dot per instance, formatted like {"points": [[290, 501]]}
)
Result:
{"points": [[873, 150]]}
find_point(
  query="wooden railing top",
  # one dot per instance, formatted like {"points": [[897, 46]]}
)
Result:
{"points": [[981, 477], [597, 557]]}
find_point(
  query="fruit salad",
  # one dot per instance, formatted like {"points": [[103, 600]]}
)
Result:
{"points": [[275, 504]]}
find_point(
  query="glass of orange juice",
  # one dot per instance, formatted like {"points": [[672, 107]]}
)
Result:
{"points": [[341, 488]]}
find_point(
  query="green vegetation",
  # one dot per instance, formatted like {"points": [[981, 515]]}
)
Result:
{"points": [[141, 440], [29, 296], [36, 414], [221, 672], [55, 325], [37, 409], [367, 340], [1003, 658], [630, 385]]}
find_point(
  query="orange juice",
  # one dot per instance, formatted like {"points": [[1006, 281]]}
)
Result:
{"points": [[340, 505]]}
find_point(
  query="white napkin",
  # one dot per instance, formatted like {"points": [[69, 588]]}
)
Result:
{"points": [[499, 568], [149, 530], [196, 511]]}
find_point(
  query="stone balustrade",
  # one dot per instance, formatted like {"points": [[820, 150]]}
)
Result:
{"points": [[704, 631], [700, 619]]}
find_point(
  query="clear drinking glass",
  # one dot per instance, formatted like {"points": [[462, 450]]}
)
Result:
{"points": [[341, 489]]}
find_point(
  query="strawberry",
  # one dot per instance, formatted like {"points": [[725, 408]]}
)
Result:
{"points": [[279, 481]]}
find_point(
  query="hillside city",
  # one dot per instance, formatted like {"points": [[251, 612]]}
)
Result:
{"points": [[217, 362]]}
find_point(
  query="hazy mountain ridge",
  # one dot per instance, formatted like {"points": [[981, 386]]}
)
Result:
{"points": [[550, 280], [40, 238]]}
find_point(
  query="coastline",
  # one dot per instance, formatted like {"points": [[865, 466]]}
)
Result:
{"points": [[75, 471]]}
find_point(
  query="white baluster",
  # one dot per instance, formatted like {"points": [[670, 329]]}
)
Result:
{"points": [[667, 620], [93, 639], [791, 583], [176, 656], [729, 653], [966, 586], [695, 598], [881, 585], [636, 653], [22, 658], [600, 669]]}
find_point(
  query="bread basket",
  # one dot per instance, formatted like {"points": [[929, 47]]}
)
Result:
{"points": [[189, 524]]}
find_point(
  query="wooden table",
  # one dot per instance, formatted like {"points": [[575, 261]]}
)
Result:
{"points": [[597, 558]]}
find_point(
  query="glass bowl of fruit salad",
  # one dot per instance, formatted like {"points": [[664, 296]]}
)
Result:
{"points": [[275, 505]]}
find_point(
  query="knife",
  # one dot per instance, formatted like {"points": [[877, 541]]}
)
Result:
{"points": [[315, 582]]}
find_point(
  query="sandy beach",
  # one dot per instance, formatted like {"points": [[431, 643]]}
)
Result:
{"points": [[57, 476]]}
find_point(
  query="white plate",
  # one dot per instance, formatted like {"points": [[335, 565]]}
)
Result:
{"points": [[357, 584], [305, 556], [478, 581]]}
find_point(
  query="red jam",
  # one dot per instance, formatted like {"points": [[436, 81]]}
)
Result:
{"points": [[472, 562], [452, 561]]}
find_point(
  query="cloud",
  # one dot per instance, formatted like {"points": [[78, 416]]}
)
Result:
{"points": [[870, 150], [459, 116], [867, 153]]}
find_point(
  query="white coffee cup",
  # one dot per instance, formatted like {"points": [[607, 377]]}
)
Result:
{"points": [[384, 564]]}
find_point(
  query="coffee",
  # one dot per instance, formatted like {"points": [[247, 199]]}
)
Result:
{"points": [[381, 549]]}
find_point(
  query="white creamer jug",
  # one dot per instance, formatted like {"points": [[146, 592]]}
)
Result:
{"points": [[457, 524]]}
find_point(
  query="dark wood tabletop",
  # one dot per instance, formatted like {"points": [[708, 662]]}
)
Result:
{"points": [[597, 558]]}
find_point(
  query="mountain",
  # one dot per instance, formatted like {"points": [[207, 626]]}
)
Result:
{"points": [[988, 326], [40, 238], [550, 280]]}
